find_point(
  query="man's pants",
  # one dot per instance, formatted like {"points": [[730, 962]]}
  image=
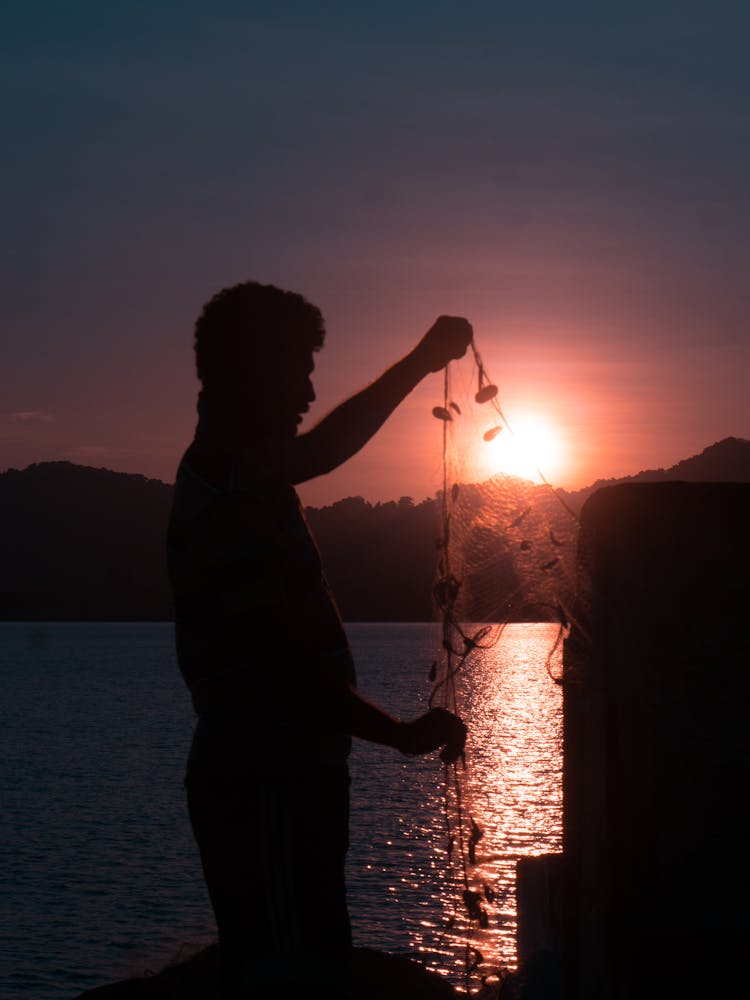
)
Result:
{"points": [[273, 848]]}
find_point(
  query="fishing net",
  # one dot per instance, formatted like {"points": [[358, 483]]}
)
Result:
{"points": [[506, 554]]}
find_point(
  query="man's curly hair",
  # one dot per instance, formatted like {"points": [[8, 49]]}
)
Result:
{"points": [[255, 322]]}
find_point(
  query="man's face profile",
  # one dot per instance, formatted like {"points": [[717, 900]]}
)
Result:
{"points": [[297, 386], [288, 392]]}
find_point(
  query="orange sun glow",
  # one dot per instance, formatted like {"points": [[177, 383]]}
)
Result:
{"points": [[529, 447]]}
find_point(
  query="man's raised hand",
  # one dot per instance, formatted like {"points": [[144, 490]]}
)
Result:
{"points": [[447, 339]]}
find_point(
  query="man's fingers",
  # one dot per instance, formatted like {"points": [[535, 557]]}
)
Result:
{"points": [[436, 728], [450, 753], [446, 340], [456, 745]]}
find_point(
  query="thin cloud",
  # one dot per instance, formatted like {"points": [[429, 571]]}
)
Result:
{"points": [[99, 452], [31, 417], [91, 451]]}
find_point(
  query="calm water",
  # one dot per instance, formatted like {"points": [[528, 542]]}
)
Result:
{"points": [[99, 875]]}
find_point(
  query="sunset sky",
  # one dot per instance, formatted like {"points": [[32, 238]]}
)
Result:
{"points": [[571, 177]]}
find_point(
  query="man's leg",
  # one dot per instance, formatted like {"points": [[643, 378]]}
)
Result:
{"points": [[273, 855]]}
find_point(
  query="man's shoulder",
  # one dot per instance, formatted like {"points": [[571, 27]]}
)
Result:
{"points": [[231, 489]]}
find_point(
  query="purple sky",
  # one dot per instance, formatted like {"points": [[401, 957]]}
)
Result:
{"points": [[570, 177]]}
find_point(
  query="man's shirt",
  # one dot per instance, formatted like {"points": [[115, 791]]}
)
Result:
{"points": [[258, 633]]}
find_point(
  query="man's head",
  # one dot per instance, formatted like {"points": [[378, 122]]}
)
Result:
{"points": [[254, 347]]}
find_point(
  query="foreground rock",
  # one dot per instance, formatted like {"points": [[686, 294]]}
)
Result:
{"points": [[378, 976]]}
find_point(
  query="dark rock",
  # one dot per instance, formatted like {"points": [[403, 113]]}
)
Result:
{"points": [[377, 976]]}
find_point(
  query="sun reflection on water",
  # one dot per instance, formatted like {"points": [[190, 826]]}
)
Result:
{"points": [[403, 890], [511, 786]]}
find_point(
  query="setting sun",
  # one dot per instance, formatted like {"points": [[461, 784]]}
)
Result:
{"points": [[529, 447]]}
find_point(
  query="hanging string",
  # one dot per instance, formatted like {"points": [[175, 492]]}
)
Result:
{"points": [[460, 643], [457, 646]]}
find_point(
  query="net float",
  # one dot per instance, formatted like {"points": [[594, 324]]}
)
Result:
{"points": [[441, 413], [486, 393]]}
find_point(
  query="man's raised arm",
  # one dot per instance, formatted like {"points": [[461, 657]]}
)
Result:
{"points": [[350, 426]]}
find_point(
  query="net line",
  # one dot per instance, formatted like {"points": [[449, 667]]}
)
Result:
{"points": [[506, 552]]}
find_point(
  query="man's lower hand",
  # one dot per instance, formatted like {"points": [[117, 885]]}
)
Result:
{"points": [[436, 728]]}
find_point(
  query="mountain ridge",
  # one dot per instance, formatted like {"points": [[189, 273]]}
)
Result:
{"points": [[726, 460], [87, 544]]}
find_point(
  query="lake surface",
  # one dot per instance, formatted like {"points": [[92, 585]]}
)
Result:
{"points": [[99, 876]]}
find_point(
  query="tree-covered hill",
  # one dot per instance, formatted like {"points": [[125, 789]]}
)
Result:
{"points": [[726, 461], [78, 543], [85, 544]]}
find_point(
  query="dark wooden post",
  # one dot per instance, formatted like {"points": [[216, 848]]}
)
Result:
{"points": [[657, 743]]}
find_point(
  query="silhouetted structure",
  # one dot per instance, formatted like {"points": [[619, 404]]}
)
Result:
{"points": [[655, 757]]}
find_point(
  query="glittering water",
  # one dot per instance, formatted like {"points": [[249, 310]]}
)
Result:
{"points": [[99, 877], [404, 891]]}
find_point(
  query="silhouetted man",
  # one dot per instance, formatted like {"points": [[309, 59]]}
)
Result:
{"points": [[260, 642]]}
